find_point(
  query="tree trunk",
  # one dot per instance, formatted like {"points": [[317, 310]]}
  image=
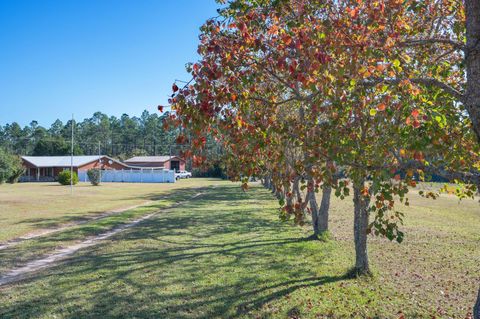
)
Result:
{"points": [[296, 189], [476, 308], [472, 63], [324, 209], [314, 210], [279, 194], [267, 182], [320, 215], [360, 226], [289, 197]]}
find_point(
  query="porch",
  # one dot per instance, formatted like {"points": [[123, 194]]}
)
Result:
{"points": [[42, 174]]}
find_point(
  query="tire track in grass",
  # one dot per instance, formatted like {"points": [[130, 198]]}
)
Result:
{"points": [[20, 273], [33, 235]]}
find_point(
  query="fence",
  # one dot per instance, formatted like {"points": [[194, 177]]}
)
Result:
{"points": [[133, 176]]}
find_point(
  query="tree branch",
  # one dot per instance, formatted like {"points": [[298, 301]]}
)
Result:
{"points": [[466, 177], [424, 81], [419, 42], [266, 101]]}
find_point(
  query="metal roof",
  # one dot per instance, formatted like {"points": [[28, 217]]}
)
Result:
{"points": [[138, 159], [61, 161]]}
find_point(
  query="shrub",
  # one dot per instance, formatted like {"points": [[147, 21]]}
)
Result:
{"points": [[11, 167], [16, 173], [94, 175], [3, 176], [64, 178]]}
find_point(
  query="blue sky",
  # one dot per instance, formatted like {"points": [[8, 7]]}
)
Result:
{"points": [[81, 56]]}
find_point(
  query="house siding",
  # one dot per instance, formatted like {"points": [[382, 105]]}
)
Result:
{"points": [[165, 165], [51, 173], [103, 165]]}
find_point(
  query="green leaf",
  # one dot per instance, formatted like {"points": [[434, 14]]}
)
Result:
{"points": [[400, 237], [373, 112]]}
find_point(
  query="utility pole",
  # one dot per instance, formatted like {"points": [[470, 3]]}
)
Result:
{"points": [[71, 162], [170, 160], [100, 161]]}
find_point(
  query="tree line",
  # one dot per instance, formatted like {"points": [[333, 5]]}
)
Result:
{"points": [[121, 137], [362, 97]]}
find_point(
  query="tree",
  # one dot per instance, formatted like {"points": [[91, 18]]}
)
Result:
{"points": [[443, 45], [323, 59], [55, 147], [56, 128], [16, 137], [11, 167], [108, 135]]}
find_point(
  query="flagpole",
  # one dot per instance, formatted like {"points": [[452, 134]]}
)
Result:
{"points": [[100, 160], [71, 162]]}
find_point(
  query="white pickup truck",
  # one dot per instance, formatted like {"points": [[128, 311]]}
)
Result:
{"points": [[183, 174]]}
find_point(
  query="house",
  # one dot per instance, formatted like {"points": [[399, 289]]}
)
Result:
{"points": [[47, 168], [167, 162]]}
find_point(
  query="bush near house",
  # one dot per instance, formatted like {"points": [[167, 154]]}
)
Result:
{"points": [[64, 178], [11, 167], [17, 172], [94, 176]]}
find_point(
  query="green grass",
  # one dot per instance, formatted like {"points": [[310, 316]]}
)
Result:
{"points": [[226, 255], [29, 207], [27, 250]]}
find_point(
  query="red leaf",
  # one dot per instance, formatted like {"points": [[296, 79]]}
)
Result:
{"points": [[418, 156], [160, 108], [196, 67], [181, 139], [174, 87], [354, 13], [287, 39]]}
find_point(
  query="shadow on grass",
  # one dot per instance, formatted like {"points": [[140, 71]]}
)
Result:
{"points": [[168, 197], [48, 223], [215, 257]]}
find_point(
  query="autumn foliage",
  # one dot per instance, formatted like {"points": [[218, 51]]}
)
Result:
{"points": [[336, 95]]}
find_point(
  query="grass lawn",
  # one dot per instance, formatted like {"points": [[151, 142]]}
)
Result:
{"points": [[226, 255], [28, 207]]}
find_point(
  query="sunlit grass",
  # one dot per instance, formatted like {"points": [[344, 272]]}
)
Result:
{"points": [[27, 207], [227, 255]]}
